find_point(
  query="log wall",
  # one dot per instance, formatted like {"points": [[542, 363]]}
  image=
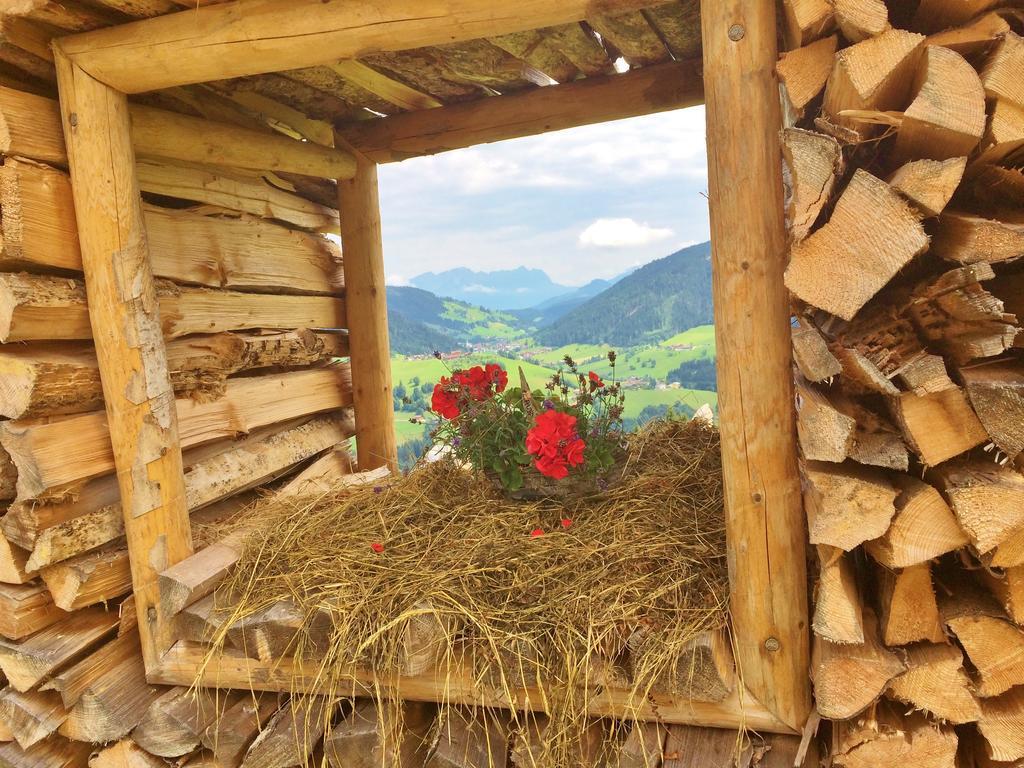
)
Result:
{"points": [[904, 146], [252, 306]]}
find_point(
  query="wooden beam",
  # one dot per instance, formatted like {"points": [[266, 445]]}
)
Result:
{"points": [[141, 414], [367, 312], [229, 40], [389, 89], [594, 100], [161, 134], [764, 518], [188, 664]]}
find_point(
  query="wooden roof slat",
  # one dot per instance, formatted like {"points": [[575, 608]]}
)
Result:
{"points": [[581, 47], [540, 51], [679, 26], [280, 116], [332, 84], [69, 15], [633, 36], [309, 101], [419, 69], [143, 8], [482, 63], [24, 46], [392, 91]]}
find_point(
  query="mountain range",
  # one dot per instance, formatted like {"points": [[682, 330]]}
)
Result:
{"points": [[501, 289], [650, 304]]}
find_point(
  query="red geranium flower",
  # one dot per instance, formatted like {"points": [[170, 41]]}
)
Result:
{"points": [[567, 522], [555, 443], [444, 402], [476, 381], [377, 547], [536, 533], [498, 376], [595, 381]]}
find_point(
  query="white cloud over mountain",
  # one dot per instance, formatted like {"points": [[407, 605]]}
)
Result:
{"points": [[622, 233]]}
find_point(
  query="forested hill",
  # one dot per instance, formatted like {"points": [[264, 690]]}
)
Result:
{"points": [[658, 300]]}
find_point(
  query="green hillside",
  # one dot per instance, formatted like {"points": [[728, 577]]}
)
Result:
{"points": [[647, 306], [415, 314]]}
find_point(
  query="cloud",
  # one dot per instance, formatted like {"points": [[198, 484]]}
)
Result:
{"points": [[477, 288], [622, 233], [396, 279]]}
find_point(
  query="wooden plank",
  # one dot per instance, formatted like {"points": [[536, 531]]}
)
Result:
{"points": [[366, 298], [40, 232], [389, 89], [30, 126], [764, 517], [594, 100], [63, 378], [185, 665], [44, 308], [47, 454], [27, 663], [225, 41]]}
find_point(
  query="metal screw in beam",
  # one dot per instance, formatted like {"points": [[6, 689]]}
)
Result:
{"points": [[772, 644], [737, 32]]}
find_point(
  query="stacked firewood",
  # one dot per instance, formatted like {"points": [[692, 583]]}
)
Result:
{"points": [[249, 293], [904, 154]]}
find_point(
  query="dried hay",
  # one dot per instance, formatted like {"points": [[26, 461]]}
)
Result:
{"points": [[556, 611]]}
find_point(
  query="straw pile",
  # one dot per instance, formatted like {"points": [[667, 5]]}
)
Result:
{"points": [[526, 593]]}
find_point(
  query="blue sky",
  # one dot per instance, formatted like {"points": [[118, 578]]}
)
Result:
{"points": [[580, 204]]}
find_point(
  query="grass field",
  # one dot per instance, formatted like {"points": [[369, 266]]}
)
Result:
{"points": [[638, 399], [701, 336]]}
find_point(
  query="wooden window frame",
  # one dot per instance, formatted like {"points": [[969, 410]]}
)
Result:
{"points": [[764, 517]]}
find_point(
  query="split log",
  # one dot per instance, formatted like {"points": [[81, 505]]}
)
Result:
{"points": [[994, 645], [1008, 587], [470, 740], [55, 752], [1001, 73], [1005, 135], [26, 609], [924, 527], [935, 15], [8, 477], [937, 426], [811, 353], [968, 238], [63, 378], [363, 740], [704, 669], [873, 233], [861, 19], [25, 664], [877, 345], [234, 190], [925, 375], [113, 701], [988, 500], [290, 736], [935, 682], [929, 184], [96, 577], [807, 20], [38, 308], [838, 612], [847, 505], [323, 475], [644, 747], [848, 678], [64, 452], [125, 754], [815, 161], [31, 716], [252, 462], [74, 681], [240, 252], [228, 737], [886, 738], [1002, 725], [825, 433], [202, 621], [876, 440], [804, 71], [908, 610], [12, 562], [874, 75], [975, 37], [996, 392], [174, 724], [947, 117], [280, 630]]}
